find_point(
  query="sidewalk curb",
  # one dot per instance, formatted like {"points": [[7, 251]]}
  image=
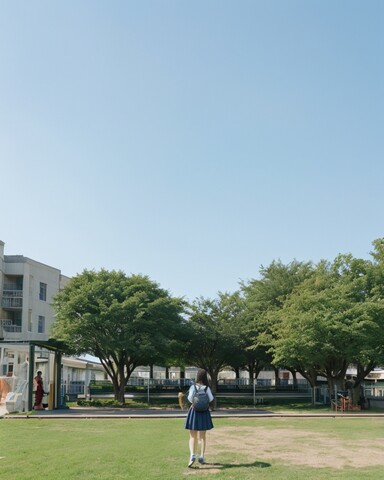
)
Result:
{"points": [[97, 413]]}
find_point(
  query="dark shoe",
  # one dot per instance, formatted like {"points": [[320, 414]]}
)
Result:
{"points": [[201, 460]]}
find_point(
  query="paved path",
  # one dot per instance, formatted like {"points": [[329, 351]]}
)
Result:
{"points": [[84, 412], [92, 412]]}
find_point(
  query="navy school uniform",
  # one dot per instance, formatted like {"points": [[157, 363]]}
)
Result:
{"points": [[198, 420]]}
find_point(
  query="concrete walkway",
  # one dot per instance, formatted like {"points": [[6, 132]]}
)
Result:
{"points": [[92, 412]]}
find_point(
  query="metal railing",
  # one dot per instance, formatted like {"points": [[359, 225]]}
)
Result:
{"points": [[12, 293], [10, 327], [12, 301], [223, 384], [74, 387], [13, 285]]}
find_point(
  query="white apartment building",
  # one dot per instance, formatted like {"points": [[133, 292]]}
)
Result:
{"points": [[27, 288], [26, 291]]}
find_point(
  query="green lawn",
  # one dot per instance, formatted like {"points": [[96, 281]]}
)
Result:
{"points": [[262, 448]]}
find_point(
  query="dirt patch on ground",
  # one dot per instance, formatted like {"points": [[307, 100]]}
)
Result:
{"points": [[260, 445]]}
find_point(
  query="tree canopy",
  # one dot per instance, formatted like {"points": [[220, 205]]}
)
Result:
{"points": [[329, 322], [264, 298], [213, 339], [313, 319], [125, 321]]}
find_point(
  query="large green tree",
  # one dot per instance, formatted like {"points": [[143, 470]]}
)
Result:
{"points": [[332, 321], [125, 321], [214, 342], [264, 297]]}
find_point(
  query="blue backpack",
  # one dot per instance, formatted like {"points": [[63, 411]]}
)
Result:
{"points": [[200, 399]]}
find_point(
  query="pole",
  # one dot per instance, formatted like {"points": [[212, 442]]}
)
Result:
{"points": [[31, 374], [58, 397], [254, 391]]}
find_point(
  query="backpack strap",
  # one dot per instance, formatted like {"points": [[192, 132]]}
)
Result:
{"points": [[197, 389]]}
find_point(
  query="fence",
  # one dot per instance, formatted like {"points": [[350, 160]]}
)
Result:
{"points": [[100, 387], [73, 390], [373, 392]]}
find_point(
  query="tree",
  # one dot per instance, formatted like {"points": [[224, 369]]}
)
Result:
{"points": [[304, 329], [233, 312], [213, 340], [125, 321], [254, 356], [265, 297], [332, 321]]}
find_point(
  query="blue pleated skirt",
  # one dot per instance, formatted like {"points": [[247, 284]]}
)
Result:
{"points": [[198, 420]]}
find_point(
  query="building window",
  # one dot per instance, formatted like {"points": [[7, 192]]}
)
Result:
{"points": [[41, 324], [10, 370], [43, 291]]}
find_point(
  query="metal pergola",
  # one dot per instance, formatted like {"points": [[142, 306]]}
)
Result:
{"points": [[51, 345]]}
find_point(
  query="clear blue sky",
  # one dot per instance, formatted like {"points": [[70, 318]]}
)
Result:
{"points": [[190, 141]]}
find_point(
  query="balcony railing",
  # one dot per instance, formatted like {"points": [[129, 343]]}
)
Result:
{"points": [[12, 329], [12, 299], [12, 302], [12, 293], [12, 285], [9, 326]]}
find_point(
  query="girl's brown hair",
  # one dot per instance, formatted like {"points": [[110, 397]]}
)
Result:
{"points": [[202, 377]]}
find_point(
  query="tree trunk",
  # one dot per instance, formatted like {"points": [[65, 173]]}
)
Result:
{"points": [[311, 376], [121, 393], [294, 379], [182, 376], [277, 379], [358, 394], [335, 384], [251, 372], [119, 385], [214, 376]]}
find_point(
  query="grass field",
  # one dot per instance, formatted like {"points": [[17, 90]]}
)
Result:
{"points": [[262, 448]]}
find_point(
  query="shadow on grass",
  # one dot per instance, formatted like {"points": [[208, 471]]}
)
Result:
{"points": [[224, 466]]}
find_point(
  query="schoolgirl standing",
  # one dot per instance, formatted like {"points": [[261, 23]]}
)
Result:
{"points": [[198, 422]]}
